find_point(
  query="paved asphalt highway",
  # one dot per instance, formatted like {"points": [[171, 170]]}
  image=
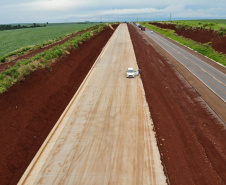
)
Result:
{"points": [[211, 77]]}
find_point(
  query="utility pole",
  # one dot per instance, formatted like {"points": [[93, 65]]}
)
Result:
{"points": [[170, 17], [137, 18]]}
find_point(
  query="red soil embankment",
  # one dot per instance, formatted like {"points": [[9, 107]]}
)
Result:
{"points": [[200, 35], [30, 108], [191, 137]]}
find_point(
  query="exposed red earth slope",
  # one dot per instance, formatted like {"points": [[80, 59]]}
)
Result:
{"points": [[30, 108], [191, 137], [202, 36]]}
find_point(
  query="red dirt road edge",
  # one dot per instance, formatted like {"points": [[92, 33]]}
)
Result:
{"points": [[191, 137], [30, 109]]}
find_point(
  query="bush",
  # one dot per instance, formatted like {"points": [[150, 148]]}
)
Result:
{"points": [[2, 89], [3, 59]]}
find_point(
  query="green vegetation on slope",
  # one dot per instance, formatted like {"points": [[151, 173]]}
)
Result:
{"points": [[214, 24], [11, 40], [204, 49], [44, 59], [218, 25]]}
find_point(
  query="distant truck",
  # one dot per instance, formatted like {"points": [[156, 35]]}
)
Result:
{"points": [[143, 28], [138, 25]]}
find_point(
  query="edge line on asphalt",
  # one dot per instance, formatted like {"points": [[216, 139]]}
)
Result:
{"points": [[189, 71]]}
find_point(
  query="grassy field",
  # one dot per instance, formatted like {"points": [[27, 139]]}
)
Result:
{"points": [[11, 40], [204, 49], [213, 24], [44, 59]]}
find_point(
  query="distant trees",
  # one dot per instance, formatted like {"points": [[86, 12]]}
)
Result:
{"points": [[12, 27]]}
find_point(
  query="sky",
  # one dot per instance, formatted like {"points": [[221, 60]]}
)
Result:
{"points": [[58, 11]]}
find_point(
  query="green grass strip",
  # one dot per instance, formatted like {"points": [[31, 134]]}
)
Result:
{"points": [[218, 25], [45, 59], [204, 49]]}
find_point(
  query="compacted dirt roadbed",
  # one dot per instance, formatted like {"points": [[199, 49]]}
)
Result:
{"points": [[29, 109], [190, 135], [105, 136]]}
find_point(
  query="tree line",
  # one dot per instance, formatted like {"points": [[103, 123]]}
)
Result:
{"points": [[12, 27]]}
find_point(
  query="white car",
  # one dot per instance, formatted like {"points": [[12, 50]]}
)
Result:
{"points": [[130, 73]]}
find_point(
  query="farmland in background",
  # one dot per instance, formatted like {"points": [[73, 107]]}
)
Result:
{"points": [[11, 40], [218, 25], [214, 24], [196, 34], [44, 59]]}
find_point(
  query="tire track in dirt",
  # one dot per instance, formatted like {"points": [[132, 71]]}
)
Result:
{"points": [[191, 136]]}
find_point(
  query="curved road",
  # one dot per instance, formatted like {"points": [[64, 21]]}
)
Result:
{"points": [[211, 77]]}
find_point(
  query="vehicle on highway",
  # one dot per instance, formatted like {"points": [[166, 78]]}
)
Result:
{"points": [[143, 28], [138, 25], [152, 31], [130, 73]]}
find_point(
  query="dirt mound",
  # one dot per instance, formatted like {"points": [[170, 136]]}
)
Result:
{"points": [[199, 35], [30, 108], [191, 137]]}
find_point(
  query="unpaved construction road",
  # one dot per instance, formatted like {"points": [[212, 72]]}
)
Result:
{"points": [[106, 134], [31, 108]]}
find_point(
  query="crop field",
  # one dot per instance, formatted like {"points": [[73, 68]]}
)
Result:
{"points": [[43, 59], [213, 24], [205, 49], [11, 40]]}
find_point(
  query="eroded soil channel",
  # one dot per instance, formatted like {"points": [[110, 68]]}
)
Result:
{"points": [[191, 137]]}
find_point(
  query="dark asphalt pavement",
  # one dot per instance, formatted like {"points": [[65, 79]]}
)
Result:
{"points": [[211, 77]]}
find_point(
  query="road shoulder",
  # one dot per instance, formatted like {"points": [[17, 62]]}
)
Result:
{"points": [[208, 95]]}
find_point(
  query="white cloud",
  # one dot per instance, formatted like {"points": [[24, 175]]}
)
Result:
{"points": [[16, 11], [129, 11], [53, 5]]}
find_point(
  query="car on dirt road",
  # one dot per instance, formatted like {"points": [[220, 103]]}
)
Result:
{"points": [[130, 73]]}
